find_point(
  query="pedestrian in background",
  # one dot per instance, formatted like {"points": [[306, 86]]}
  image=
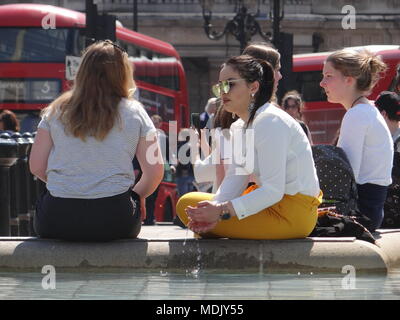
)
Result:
{"points": [[397, 81], [84, 148], [152, 199], [348, 78], [8, 122], [388, 104], [184, 168], [293, 104], [30, 121], [213, 167], [206, 117]]}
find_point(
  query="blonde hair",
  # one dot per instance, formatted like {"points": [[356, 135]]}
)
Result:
{"points": [[90, 108], [363, 65]]}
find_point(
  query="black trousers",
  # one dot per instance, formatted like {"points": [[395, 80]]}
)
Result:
{"points": [[102, 219]]}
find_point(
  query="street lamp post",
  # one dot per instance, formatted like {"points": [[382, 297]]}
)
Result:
{"points": [[244, 25], [135, 16]]}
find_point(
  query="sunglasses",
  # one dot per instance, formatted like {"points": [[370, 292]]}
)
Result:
{"points": [[93, 40], [223, 87]]}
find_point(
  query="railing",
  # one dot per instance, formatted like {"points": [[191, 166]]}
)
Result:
{"points": [[19, 189]]}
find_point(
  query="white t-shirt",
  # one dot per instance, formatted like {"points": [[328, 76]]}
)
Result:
{"points": [[367, 142], [279, 158], [95, 169]]}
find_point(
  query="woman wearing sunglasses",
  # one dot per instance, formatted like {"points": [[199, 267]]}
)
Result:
{"points": [[283, 203]]}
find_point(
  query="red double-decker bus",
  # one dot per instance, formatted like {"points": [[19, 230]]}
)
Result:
{"points": [[322, 117], [40, 47]]}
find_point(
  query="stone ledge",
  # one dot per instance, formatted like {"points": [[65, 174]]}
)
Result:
{"points": [[213, 255]]}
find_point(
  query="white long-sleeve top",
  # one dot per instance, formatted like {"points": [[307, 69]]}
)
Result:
{"points": [[205, 170], [367, 142], [279, 158]]}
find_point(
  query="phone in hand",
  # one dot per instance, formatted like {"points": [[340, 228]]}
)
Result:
{"points": [[195, 120]]}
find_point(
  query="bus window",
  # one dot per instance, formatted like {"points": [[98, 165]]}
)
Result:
{"points": [[161, 72], [39, 45], [29, 90], [157, 103], [152, 67], [307, 83]]}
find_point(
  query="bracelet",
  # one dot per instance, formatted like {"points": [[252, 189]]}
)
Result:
{"points": [[225, 214]]}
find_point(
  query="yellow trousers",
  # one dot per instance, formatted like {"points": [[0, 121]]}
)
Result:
{"points": [[291, 218]]}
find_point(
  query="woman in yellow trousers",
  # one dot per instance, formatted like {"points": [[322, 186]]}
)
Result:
{"points": [[283, 203]]}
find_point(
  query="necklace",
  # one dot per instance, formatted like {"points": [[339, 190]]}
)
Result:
{"points": [[352, 105]]}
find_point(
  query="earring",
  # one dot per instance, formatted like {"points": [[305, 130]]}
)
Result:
{"points": [[251, 105], [233, 115]]}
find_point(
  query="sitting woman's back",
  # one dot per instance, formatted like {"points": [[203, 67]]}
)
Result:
{"points": [[74, 166], [84, 148]]}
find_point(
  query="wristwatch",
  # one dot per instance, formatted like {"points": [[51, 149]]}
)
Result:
{"points": [[225, 214]]}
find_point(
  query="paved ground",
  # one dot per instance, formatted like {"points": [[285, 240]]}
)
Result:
{"points": [[164, 231]]}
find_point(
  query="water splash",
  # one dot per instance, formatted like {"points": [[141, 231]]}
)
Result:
{"points": [[261, 259], [195, 272], [186, 236]]}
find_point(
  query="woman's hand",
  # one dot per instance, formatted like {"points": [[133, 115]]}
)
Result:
{"points": [[142, 203], [201, 227], [204, 217]]}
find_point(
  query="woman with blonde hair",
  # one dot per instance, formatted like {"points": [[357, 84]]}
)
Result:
{"points": [[84, 148], [348, 78]]}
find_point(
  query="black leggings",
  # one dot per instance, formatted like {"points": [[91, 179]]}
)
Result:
{"points": [[100, 219]]}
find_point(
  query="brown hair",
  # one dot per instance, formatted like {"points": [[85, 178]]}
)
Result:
{"points": [[251, 70], [263, 51], [295, 96], [223, 119], [9, 120], [104, 77], [364, 66]]}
